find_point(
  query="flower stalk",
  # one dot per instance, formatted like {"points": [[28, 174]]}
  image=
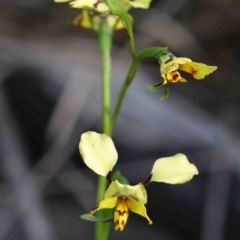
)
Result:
{"points": [[105, 45], [126, 84]]}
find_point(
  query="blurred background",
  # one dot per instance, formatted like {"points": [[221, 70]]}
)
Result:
{"points": [[50, 94]]}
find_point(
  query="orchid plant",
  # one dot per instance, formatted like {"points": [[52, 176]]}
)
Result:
{"points": [[97, 149]]}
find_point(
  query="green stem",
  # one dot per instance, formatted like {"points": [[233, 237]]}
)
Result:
{"points": [[146, 53], [105, 44], [127, 82]]}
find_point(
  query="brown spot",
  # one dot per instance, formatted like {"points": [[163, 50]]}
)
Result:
{"points": [[121, 213], [123, 223], [95, 5], [79, 22], [175, 76], [193, 71]]}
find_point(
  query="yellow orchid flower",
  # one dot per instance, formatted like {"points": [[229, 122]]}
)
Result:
{"points": [[92, 21], [124, 198], [100, 155], [170, 66], [101, 6]]}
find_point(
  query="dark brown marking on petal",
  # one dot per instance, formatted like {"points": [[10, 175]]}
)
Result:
{"points": [[116, 223], [121, 213], [79, 22], [193, 71], [171, 56], [175, 76], [123, 223], [95, 5]]}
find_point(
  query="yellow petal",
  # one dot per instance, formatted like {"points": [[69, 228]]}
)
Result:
{"points": [[114, 22], [137, 192], [198, 70], [121, 214], [170, 63], [106, 203], [183, 80], [173, 77], [83, 20], [168, 67], [181, 60], [173, 170], [91, 5], [125, 4], [138, 208], [135, 3], [98, 152], [61, 1], [140, 3]]}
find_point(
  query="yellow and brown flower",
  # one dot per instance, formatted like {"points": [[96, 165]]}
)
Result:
{"points": [[170, 66], [100, 155]]}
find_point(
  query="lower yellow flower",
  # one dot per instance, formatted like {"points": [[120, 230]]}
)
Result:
{"points": [[124, 198], [99, 154]]}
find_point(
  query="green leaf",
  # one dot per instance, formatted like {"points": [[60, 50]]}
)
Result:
{"points": [[165, 92], [118, 176], [119, 11], [92, 218], [155, 52], [155, 87]]}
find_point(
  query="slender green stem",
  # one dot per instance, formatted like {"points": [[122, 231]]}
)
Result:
{"points": [[127, 82], [146, 53], [105, 44]]}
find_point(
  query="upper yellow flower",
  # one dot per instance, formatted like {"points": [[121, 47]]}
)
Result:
{"points": [[92, 21], [101, 6], [170, 66], [99, 154]]}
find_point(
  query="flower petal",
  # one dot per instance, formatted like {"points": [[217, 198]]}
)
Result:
{"points": [[137, 207], [168, 67], [173, 77], [181, 60], [140, 3], [170, 63], [173, 170], [114, 22], [127, 4], [106, 203], [91, 5], [62, 1], [98, 152], [117, 189], [198, 70], [83, 20], [121, 214]]}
